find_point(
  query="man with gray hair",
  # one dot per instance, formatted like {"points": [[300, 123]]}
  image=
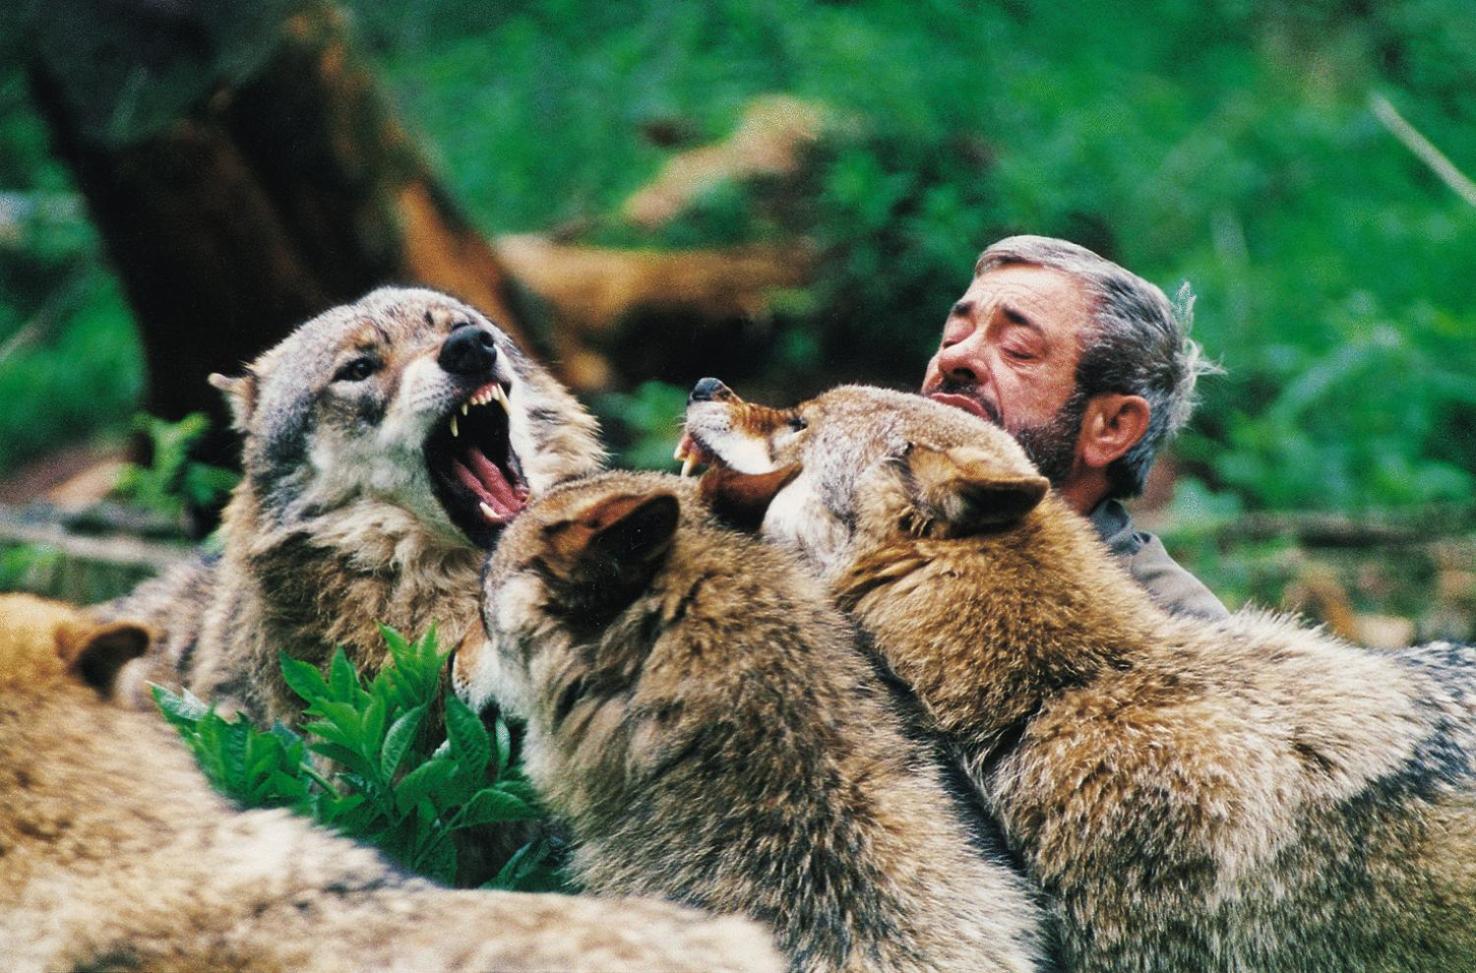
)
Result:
{"points": [[1091, 368]]}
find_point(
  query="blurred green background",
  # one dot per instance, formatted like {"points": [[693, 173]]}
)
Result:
{"points": [[1229, 143]]}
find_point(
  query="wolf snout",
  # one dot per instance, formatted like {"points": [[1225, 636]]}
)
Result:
{"points": [[709, 390], [469, 351]]}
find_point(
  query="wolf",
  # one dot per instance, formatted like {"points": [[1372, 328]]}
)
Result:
{"points": [[1244, 795], [700, 718], [386, 443], [115, 854]]}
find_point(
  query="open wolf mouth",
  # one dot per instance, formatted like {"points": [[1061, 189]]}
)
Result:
{"points": [[738, 499], [476, 476], [693, 453]]}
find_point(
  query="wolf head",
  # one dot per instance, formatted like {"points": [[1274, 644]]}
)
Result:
{"points": [[410, 398], [854, 460], [579, 557], [46, 643]]}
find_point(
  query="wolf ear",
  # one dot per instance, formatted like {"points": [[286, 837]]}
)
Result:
{"points": [[741, 499], [611, 551], [240, 393], [966, 490], [95, 653]]}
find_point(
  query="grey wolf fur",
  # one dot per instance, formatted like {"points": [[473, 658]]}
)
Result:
{"points": [[700, 717], [116, 855], [1245, 795], [350, 512]]}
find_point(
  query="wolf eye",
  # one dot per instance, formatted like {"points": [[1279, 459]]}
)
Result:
{"points": [[356, 370], [797, 424]]}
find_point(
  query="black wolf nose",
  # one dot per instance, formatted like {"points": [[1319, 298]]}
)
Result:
{"points": [[709, 390], [469, 351]]}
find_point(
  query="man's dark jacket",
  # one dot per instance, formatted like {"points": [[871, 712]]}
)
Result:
{"points": [[1169, 585]]}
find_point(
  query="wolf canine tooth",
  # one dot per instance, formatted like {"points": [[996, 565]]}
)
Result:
{"points": [[489, 513], [687, 465], [680, 453], [465, 408], [454, 430], [500, 396]]}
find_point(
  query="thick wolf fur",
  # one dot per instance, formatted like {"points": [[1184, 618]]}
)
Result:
{"points": [[701, 718], [116, 855], [1246, 795], [336, 526]]}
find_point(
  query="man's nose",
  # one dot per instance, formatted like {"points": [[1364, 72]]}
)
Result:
{"points": [[469, 351], [961, 361]]}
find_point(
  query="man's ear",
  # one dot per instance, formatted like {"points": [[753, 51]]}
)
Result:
{"points": [[610, 552], [240, 394], [741, 499], [965, 490], [1111, 425], [95, 653]]}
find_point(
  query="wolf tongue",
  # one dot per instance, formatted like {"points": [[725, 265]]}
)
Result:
{"points": [[495, 489]]}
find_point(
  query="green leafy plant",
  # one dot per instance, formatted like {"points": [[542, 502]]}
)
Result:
{"points": [[173, 481], [380, 776]]}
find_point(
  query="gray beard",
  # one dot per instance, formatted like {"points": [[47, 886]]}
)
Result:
{"points": [[1051, 445]]}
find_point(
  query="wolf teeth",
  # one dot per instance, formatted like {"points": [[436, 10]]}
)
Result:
{"points": [[492, 393], [680, 453], [454, 431], [489, 513], [687, 464]]}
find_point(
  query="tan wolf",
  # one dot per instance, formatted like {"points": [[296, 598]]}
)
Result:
{"points": [[700, 717], [1245, 795], [116, 855], [385, 445]]}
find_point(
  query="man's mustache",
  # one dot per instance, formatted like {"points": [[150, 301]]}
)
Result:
{"points": [[969, 390]]}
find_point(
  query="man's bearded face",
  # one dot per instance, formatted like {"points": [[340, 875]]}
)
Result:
{"points": [[1051, 445], [1009, 353]]}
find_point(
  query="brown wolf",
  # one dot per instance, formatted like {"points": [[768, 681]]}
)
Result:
{"points": [[700, 717], [386, 443], [116, 855], [1245, 795]]}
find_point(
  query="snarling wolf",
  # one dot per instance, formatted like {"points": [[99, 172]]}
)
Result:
{"points": [[700, 717], [1241, 795], [386, 445], [115, 854]]}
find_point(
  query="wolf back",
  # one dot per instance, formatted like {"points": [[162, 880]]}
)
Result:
{"points": [[701, 718], [1210, 796], [115, 854]]}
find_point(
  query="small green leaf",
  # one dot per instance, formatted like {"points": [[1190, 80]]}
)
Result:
{"points": [[341, 755], [398, 740], [469, 741], [333, 733], [343, 680], [184, 711], [518, 786], [502, 736], [303, 678], [371, 725], [532, 868], [398, 646], [415, 785], [492, 805]]}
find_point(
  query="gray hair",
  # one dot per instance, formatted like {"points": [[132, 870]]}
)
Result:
{"points": [[1138, 344]]}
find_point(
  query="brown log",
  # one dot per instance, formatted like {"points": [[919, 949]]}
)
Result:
{"points": [[604, 300]]}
